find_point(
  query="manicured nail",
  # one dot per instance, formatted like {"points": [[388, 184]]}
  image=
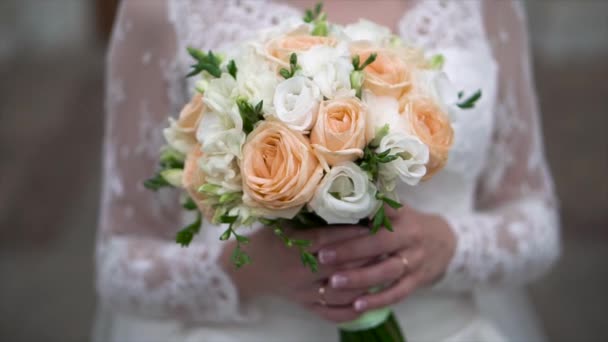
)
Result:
{"points": [[360, 305], [338, 281], [326, 256]]}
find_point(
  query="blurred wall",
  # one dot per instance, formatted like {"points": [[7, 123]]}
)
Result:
{"points": [[51, 120]]}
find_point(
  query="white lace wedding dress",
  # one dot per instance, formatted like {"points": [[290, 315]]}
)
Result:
{"points": [[496, 191]]}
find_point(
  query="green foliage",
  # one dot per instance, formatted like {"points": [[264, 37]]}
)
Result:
{"points": [[437, 61], [371, 161], [204, 62], [313, 14], [250, 114], [185, 235], [370, 59], [232, 69], [189, 204], [470, 101], [307, 258], [293, 67], [156, 182]]}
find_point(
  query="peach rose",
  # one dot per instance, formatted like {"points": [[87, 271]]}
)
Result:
{"points": [[433, 127], [280, 172], [339, 132], [388, 75], [280, 49], [181, 133], [192, 178]]}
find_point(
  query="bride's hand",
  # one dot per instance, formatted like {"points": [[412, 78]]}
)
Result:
{"points": [[277, 270], [417, 254]]}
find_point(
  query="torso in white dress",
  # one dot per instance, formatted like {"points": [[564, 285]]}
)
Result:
{"points": [[495, 191]]}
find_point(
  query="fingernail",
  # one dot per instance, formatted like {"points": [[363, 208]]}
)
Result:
{"points": [[327, 256], [360, 305], [338, 281]]}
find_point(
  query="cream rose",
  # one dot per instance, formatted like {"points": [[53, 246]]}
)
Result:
{"points": [[432, 126], [280, 172], [345, 195], [299, 40], [296, 102], [339, 133], [388, 75], [409, 167], [181, 133]]}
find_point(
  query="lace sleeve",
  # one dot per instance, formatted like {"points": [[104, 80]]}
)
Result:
{"points": [[139, 267], [512, 236]]}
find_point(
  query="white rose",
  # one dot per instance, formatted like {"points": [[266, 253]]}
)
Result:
{"points": [[329, 67], [296, 102], [437, 86], [383, 110], [410, 166], [345, 195], [369, 31]]}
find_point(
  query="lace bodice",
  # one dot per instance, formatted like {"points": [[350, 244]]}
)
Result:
{"points": [[496, 192]]}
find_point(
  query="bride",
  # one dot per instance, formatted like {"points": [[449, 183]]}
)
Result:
{"points": [[488, 227]]}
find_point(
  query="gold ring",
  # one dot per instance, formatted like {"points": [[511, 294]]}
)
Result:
{"points": [[322, 296]]}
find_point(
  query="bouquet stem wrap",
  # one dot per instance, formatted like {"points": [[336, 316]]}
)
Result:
{"points": [[375, 326]]}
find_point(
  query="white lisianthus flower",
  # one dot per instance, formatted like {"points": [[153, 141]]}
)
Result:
{"points": [[296, 102], [214, 122], [409, 167], [369, 31], [437, 85], [383, 110], [345, 195], [329, 67]]}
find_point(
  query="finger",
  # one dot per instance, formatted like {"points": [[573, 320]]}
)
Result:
{"points": [[326, 271], [335, 315], [394, 294], [380, 273], [362, 247], [331, 297], [321, 237]]}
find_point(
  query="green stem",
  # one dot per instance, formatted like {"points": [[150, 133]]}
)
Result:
{"points": [[388, 331]]}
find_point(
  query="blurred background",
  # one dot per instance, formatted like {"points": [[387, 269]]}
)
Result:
{"points": [[51, 122]]}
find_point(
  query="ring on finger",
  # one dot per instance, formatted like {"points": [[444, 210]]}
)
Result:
{"points": [[321, 292]]}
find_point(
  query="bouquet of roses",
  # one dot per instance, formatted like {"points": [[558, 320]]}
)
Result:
{"points": [[311, 123]]}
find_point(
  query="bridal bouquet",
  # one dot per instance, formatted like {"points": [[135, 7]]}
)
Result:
{"points": [[311, 123]]}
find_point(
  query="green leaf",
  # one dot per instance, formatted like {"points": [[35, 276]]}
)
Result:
{"points": [[171, 159], [186, 234], [240, 258], [378, 220], [318, 8], [228, 219], [320, 29], [437, 61], [204, 62], [250, 115], [470, 101], [356, 61], [241, 238], [390, 202], [370, 59], [189, 204], [309, 260], [293, 60], [387, 224], [285, 73], [308, 16], [226, 234], [156, 182], [232, 69]]}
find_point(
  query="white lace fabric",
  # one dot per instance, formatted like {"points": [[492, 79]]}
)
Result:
{"points": [[496, 192]]}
